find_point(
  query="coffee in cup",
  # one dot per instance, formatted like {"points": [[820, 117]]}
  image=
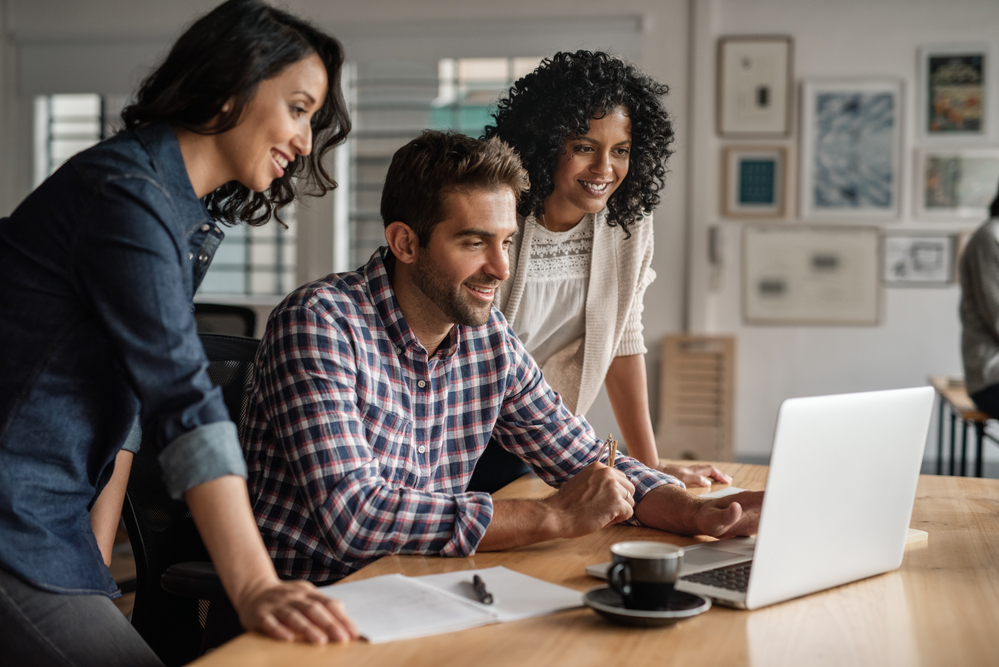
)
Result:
{"points": [[643, 573]]}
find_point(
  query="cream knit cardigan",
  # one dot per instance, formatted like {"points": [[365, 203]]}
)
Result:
{"points": [[620, 271]]}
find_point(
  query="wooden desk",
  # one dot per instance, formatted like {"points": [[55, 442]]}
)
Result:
{"points": [[940, 608]]}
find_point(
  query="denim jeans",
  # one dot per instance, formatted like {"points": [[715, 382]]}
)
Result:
{"points": [[42, 628]]}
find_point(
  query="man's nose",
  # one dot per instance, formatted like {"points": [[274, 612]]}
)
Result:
{"points": [[498, 263]]}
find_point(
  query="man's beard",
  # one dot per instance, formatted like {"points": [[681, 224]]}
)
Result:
{"points": [[451, 300]]}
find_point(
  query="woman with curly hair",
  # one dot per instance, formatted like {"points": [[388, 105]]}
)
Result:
{"points": [[97, 336], [593, 134]]}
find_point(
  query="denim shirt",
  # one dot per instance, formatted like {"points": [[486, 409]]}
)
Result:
{"points": [[98, 269]]}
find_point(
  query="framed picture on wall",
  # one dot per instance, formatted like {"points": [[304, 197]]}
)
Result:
{"points": [[754, 86], [956, 183], [754, 182], [919, 259], [953, 91], [850, 144], [805, 274]]}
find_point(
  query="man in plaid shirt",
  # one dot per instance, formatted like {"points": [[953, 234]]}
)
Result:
{"points": [[376, 391]]}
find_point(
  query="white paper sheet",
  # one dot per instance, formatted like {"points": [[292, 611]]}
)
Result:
{"points": [[394, 607], [515, 596]]}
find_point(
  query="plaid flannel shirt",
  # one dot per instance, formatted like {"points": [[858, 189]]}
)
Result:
{"points": [[360, 445]]}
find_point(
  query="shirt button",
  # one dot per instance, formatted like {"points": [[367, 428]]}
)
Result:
{"points": [[421, 384], [190, 255], [398, 350], [217, 231], [421, 449], [205, 228], [202, 257]]}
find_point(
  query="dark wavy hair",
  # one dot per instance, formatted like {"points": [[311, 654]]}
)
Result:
{"points": [[557, 101], [224, 56], [429, 169]]}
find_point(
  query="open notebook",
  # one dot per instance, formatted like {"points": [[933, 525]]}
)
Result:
{"points": [[394, 606]]}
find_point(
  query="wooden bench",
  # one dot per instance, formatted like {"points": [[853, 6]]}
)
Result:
{"points": [[955, 399]]}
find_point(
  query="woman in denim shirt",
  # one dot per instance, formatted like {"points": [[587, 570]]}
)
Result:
{"points": [[99, 266]]}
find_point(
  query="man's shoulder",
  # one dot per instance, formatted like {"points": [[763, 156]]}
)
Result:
{"points": [[333, 296]]}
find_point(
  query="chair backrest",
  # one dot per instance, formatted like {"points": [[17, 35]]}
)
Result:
{"points": [[161, 529], [225, 319]]}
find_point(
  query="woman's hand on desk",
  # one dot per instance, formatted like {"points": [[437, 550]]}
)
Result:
{"points": [[695, 475], [296, 609]]}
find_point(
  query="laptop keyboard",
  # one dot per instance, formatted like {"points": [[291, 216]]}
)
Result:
{"points": [[734, 577]]}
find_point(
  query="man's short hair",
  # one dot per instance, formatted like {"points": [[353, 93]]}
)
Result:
{"points": [[435, 165]]}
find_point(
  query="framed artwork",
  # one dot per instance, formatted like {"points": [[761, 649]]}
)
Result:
{"points": [[754, 86], [851, 134], [956, 183], [754, 182], [919, 259], [802, 274], [953, 91]]}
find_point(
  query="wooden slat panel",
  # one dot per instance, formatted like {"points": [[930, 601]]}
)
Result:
{"points": [[696, 398]]}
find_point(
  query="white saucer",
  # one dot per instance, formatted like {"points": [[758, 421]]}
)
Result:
{"points": [[608, 604]]}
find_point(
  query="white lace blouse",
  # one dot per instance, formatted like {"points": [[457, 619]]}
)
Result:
{"points": [[558, 277]]}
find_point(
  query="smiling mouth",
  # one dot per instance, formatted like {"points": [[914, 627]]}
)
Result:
{"points": [[484, 293], [280, 159], [595, 189]]}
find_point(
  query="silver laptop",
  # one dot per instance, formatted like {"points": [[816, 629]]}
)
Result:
{"points": [[838, 502], [840, 489]]}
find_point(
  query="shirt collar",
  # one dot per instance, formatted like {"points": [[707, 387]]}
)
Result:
{"points": [[383, 297], [160, 141]]}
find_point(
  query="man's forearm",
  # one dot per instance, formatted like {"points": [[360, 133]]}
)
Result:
{"points": [[517, 523], [670, 508], [676, 510]]}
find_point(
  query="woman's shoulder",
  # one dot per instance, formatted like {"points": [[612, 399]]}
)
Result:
{"points": [[640, 231]]}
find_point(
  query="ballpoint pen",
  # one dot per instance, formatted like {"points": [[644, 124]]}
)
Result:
{"points": [[485, 597]]}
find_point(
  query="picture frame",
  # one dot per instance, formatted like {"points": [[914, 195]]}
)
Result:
{"points": [[754, 182], [850, 148], [755, 84], [956, 183], [919, 259], [953, 92], [811, 275]]}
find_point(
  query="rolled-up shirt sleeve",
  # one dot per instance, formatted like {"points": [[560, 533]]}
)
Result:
{"points": [[137, 278], [350, 463]]}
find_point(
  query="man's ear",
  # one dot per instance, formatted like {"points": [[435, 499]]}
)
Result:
{"points": [[402, 241]]}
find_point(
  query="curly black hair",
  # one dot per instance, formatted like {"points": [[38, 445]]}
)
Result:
{"points": [[557, 101], [224, 56]]}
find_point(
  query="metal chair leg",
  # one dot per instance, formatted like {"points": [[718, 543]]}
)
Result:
{"points": [[980, 433], [964, 448], [953, 442], [940, 437]]}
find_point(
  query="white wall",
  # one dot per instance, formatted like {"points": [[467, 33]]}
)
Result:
{"points": [[835, 38], [919, 332], [147, 26]]}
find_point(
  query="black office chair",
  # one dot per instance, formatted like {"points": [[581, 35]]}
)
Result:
{"points": [[225, 319], [177, 592]]}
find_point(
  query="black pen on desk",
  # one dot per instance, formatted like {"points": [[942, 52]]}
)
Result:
{"points": [[485, 597]]}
